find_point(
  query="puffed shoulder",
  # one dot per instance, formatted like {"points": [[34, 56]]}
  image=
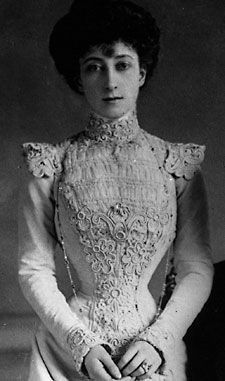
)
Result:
{"points": [[178, 159], [183, 160], [43, 159]]}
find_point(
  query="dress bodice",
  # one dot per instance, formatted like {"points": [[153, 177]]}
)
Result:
{"points": [[116, 198], [118, 205]]}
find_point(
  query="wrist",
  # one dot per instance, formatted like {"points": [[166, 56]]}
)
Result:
{"points": [[81, 342], [162, 341]]}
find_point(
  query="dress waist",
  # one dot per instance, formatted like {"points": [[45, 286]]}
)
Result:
{"points": [[116, 321]]}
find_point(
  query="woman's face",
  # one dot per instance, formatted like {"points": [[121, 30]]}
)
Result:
{"points": [[110, 80]]}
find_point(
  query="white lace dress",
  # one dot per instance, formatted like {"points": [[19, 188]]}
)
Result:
{"points": [[116, 198]]}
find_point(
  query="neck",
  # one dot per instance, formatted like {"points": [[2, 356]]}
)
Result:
{"points": [[122, 129]]}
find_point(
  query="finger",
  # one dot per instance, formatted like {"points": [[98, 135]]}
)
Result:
{"points": [[127, 378], [155, 366], [127, 357], [133, 366], [110, 366], [143, 377], [99, 373], [139, 371]]}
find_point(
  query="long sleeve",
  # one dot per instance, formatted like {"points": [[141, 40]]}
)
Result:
{"points": [[192, 258], [193, 266], [37, 242]]}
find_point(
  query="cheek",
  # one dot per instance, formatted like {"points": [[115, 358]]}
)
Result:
{"points": [[88, 82], [90, 89], [133, 87]]}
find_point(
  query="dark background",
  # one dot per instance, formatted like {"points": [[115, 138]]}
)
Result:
{"points": [[184, 102]]}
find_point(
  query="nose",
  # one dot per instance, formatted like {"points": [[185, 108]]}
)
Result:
{"points": [[110, 79]]}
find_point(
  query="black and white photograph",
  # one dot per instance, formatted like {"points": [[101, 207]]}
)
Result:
{"points": [[112, 208]]}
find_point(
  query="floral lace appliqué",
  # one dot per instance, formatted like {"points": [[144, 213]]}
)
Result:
{"points": [[42, 159], [119, 245], [105, 235], [184, 159]]}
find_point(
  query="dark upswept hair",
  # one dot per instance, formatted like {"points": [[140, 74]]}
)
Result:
{"points": [[94, 23]]}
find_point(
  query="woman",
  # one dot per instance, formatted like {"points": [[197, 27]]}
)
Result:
{"points": [[117, 199]]}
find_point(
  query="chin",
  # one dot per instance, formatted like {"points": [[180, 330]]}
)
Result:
{"points": [[112, 114]]}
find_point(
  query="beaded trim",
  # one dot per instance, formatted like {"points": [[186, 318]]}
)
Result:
{"points": [[62, 244], [164, 286]]}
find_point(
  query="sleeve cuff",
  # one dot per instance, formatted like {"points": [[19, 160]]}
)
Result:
{"points": [[80, 343], [163, 342]]}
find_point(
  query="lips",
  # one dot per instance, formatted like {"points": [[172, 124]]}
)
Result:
{"points": [[111, 99]]}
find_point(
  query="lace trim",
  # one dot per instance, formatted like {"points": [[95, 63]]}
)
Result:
{"points": [[80, 343], [121, 130], [42, 159], [184, 159]]}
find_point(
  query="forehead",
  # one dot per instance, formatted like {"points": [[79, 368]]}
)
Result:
{"points": [[115, 50]]}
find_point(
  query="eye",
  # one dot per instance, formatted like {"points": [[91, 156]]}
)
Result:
{"points": [[123, 65], [93, 68]]}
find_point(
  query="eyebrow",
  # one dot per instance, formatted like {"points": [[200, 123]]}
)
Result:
{"points": [[93, 58]]}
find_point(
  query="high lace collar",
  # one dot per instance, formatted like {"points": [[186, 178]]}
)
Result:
{"points": [[120, 130]]}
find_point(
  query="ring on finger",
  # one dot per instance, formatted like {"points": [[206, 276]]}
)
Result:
{"points": [[143, 370], [145, 366]]}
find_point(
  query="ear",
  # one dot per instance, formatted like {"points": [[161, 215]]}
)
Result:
{"points": [[142, 76]]}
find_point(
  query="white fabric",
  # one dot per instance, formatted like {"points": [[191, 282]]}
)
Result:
{"points": [[182, 212]]}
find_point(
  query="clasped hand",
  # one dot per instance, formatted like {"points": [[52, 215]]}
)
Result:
{"points": [[101, 367]]}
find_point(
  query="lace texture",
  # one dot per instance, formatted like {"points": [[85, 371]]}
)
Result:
{"points": [[121, 130], [120, 200], [42, 159], [184, 159], [80, 344], [119, 246]]}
